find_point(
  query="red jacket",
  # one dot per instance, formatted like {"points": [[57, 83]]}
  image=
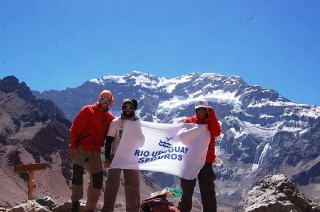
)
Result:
{"points": [[90, 127], [215, 131]]}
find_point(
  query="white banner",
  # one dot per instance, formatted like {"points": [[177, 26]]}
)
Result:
{"points": [[178, 149]]}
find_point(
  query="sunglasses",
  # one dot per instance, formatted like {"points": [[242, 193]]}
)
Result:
{"points": [[127, 107], [201, 109], [105, 99]]}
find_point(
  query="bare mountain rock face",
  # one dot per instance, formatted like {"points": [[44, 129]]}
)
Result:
{"points": [[277, 193], [31, 131], [36, 131]]}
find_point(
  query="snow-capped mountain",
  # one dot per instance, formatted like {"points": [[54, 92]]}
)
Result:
{"points": [[263, 132]]}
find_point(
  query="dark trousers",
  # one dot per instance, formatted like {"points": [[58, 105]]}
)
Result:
{"points": [[91, 160], [206, 179], [131, 186]]}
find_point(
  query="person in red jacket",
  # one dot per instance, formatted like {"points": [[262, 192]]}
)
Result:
{"points": [[204, 115], [87, 136]]}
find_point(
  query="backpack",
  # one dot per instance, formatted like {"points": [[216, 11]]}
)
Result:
{"points": [[158, 203]]}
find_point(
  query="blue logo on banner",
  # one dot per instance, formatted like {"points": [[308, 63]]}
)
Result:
{"points": [[168, 153], [166, 143]]}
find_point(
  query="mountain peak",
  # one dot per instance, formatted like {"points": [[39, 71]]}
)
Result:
{"points": [[11, 84]]}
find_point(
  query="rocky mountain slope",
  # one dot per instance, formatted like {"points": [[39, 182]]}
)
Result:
{"points": [[263, 132], [271, 193], [33, 131], [277, 193]]}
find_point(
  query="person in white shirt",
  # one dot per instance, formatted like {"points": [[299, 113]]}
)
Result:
{"points": [[131, 177]]}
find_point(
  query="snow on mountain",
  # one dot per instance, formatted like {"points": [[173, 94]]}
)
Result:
{"points": [[263, 132]]}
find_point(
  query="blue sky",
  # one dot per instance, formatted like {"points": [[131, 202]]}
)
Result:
{"points": [[62, 43]]}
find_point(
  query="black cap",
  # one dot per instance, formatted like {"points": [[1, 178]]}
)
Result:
{"points": [[131, 101]]}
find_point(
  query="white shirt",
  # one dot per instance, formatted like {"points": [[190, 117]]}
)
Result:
{"points": [[115, 131]]}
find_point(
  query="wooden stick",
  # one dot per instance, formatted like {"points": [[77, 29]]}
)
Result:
{"points": [[30, 168]]}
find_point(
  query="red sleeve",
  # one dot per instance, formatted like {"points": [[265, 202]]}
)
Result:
{"points": [[187, 120], [213, 124], [191, 119], [79, 123]]}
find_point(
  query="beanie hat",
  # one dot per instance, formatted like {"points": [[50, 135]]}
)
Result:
{"points": [[201, 103], [133, 102], [107, 94]]}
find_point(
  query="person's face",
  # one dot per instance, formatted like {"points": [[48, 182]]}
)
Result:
{"points": [[201, 112], [128, 110], [104, 102]]}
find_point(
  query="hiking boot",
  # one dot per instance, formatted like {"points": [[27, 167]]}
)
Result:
{"points": [[75, 207]]}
